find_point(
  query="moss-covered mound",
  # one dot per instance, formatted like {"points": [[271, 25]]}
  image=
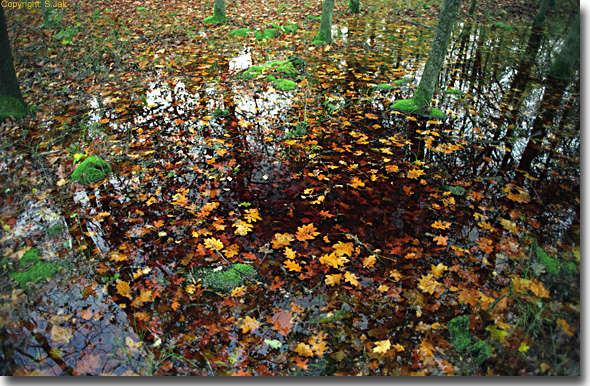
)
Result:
{"points": [[462, 342], [11, 107], [273, 30], [553, 266], [408, 106], [452, 91], [401, 81], [271, 68], [32, 269], [226, 278], [91, 170]]}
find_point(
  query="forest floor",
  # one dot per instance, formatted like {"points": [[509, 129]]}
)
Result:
{"points": [[368, 255]]}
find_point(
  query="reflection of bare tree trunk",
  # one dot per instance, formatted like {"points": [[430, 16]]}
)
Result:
{"points": [[549, 107]]}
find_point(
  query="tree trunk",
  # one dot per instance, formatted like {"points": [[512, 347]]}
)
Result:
{"points": [[540, 16], [325, 34], [437, 54], [354, 6], [8, 82], [218, 13], [569, 56], [472, 8]]}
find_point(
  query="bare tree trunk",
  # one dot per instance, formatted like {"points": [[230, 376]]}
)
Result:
{"points": [[325, 34], [354, 6], [11, 99], [569, 56], [437, 54]]}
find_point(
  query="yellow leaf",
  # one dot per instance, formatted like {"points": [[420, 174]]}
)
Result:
{"points": [[290, 253], [523, 347], [341, 248], [383, 288], [398, 347], [308, 191], [332, 260], [333, 279], [382, 346], [250, 324], [437, 270], [292, 266], [123, 288], [369, 261], [396, 275], [498, 334], [242, 227], [252, 215], [151, 201], [303, 350], [238, 291], [118, 256], [190, 288], [213, 243], [429, 284], [282, 240], [317, 343], [351, 278]]}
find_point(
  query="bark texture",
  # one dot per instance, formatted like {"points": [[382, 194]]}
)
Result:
{"points": [[437, 54], [325, 34], [8, 82], [354, 6]]}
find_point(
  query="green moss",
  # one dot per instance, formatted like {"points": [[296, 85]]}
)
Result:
{"points": [[319, 39], [314, 18], [31, 256], [274, 68], [480, 352], [384, 86], [285, 84], [91, 170], [408, 106], [459, 330], [11, 107], [39, 271], [55, 230], [5, 264], [401, 81], [462, 342], [225, 279], [244, 32], [452, 91], [215, 19], [554, 266], [297, 62]]}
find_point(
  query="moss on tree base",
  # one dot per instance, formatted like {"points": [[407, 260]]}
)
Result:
{"points": [[408, 106], [215, 19], [11, 107], [91, 170]]}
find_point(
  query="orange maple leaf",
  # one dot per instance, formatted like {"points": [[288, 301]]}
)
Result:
{"points": [[440, 225], [250, 324], [356, 182], [437, 270], [333, 279], [440, 240], [415, 173], [290, 253], [306, 232], [292, 266], [429, 284], [317, 343], [302, 364], [282, 240], [567, 329]]}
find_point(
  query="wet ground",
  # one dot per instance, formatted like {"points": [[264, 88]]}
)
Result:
{"points": [[365, 225]]}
